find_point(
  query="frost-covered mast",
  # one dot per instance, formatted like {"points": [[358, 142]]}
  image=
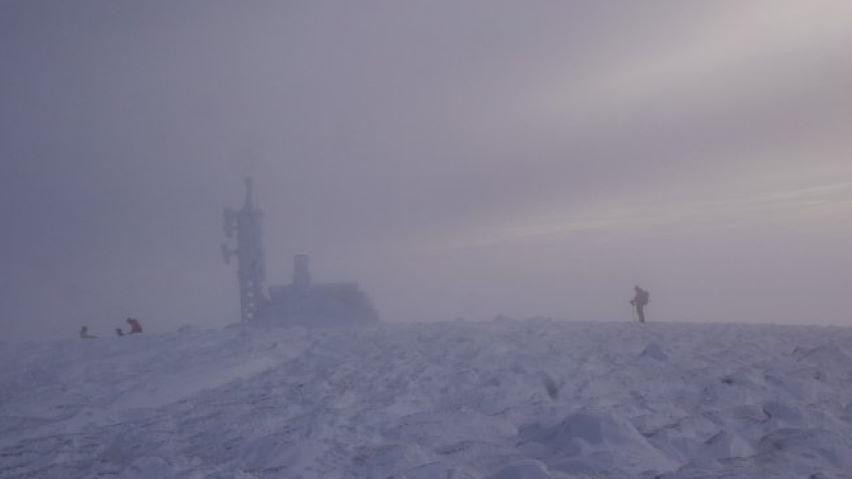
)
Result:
{"points": [[251, 270]]}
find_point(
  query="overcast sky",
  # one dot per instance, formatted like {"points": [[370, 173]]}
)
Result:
{"points": [[455, 158]]}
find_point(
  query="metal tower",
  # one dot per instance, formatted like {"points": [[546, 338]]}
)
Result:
{"points": [[251, 266]]}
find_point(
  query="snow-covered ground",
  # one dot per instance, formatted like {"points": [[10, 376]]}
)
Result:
{"points": [[502, 400]]}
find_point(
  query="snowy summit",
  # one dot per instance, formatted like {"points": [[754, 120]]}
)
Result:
{"points": [[494, 400]]}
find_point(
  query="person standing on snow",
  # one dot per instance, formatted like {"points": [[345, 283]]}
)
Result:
{"points": [[135, 326], [639, 301]]}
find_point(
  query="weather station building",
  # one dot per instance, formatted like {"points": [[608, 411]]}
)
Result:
{"points": [[300, 303]]}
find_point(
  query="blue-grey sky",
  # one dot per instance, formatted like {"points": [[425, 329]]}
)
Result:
{"points": [[456, 158]]}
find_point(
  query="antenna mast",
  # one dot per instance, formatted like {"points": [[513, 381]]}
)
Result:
{"points": [[251, 266]]}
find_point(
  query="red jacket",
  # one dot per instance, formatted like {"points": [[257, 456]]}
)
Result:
{"points": [[135, 327]]}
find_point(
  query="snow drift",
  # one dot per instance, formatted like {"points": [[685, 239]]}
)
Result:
{"points": [[499, 400]]}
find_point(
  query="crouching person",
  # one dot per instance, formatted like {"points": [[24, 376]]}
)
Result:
{"points": [[135, 326]]}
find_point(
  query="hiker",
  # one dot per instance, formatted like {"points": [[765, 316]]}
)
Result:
{"points": [[119, 332], [135, 326], [84, 333], [639, 301]]}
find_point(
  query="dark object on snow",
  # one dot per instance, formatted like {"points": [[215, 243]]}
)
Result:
{"points": [[551, 387], [84, 333], [639, 301], [119, 332], [135, 326]]}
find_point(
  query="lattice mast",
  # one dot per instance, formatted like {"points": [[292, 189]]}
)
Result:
{"points": [[251, 266]]}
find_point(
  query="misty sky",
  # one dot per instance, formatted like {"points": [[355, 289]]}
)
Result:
{"points": [[456, 158]]}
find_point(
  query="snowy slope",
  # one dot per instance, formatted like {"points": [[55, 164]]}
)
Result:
{"points": [[499, 400]]}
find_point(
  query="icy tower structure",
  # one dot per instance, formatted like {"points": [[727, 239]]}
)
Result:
{"points": [[251, 269], [302, 302]]}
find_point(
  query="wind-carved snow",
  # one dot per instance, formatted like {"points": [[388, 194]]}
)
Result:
{"points": [[497, 400]]}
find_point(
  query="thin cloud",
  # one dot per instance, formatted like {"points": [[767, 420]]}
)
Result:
{"points": [[802, 204]]}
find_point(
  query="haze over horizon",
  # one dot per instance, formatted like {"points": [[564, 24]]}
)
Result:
{"points": [[457, 160]]}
